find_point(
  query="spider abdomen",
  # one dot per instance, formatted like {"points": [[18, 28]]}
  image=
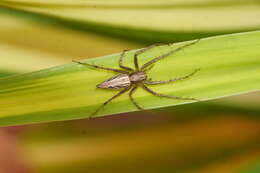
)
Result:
{"points": [[116, 82]]}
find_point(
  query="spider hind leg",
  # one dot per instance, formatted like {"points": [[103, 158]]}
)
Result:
{"points": [[132, 99], [100, 67], [109, 100]]}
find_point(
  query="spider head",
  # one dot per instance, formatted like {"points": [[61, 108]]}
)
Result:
{"points": [[138, 77]]}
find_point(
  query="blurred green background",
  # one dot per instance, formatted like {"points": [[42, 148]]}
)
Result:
{"points": [[216, 136]]}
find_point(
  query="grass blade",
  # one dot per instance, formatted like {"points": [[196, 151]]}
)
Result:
{"points": [[172, 21], [229, 66]]}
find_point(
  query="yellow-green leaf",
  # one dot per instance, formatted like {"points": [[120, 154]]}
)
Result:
{"points": [[229, 65]]}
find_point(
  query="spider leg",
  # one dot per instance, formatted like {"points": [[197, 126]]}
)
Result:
{"points": [[167, 96], [171, 80], [109, 100], [100, 67], [142, 51], [166, 55], [132, 99], [120, 62], [149, 68]]}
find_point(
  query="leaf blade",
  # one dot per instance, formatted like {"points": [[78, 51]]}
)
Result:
{"points": [[229, 66]]}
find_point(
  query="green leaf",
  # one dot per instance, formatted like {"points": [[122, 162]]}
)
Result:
{"points": [[171, 20], [23, 49], [229, 66]]}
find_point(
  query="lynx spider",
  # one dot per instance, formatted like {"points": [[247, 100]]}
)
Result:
{"points": [[131, 79]]}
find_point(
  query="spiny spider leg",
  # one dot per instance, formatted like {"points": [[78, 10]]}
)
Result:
{"points": [[112, 98], [171, 80], [132, 99], [121, 62], [142, 51], [167, 54], [100, 67], [149, 68], [163, 95]]}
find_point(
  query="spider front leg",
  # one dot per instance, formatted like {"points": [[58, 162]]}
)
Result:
{"points": [[120, 62], [132, 99], [171, 80], [142, 51], [109, 100], [167, 96], [100, 67], [166, 55]]}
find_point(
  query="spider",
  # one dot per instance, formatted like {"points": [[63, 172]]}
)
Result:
{"points": [[131, 79]]}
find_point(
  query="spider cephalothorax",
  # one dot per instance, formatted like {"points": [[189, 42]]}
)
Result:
{"points": [[138, 77], [131, 79]]}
